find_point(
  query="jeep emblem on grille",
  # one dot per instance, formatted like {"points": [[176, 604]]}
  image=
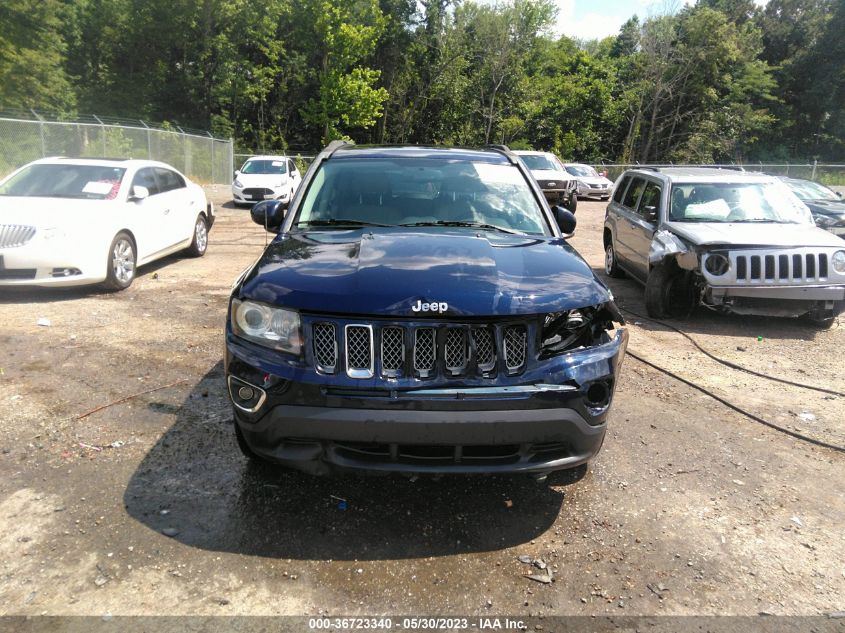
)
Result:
{"points": [[434, 306]]}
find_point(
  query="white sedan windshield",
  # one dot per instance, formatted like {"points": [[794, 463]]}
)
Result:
{"points": [[737, 202], [65, 180]]}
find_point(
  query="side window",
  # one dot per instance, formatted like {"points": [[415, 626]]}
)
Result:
{"points": [[620, 190], [633, 193], [291, 166], [169, 180], [146, 178], [650, 198]]}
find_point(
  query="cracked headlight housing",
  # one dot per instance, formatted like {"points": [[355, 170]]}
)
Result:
{"points": [[276, 328], [575, 329]]}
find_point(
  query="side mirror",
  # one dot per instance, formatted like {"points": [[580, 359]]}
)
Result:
{"points": [[269, 214], [650, 213], [839, 193], [237, 173], [565, 220], [139, 193]]}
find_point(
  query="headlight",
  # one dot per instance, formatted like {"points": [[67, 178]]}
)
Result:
{"points": [[838, 261], [276, 328], [238, 184], [717, 264]]}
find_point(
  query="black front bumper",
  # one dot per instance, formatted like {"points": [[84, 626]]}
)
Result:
{"points": [[507, 441]]}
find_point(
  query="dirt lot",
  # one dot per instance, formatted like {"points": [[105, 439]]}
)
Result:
{"points": [[691, 508]]}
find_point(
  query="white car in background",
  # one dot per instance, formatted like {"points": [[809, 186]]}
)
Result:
{"points": [[74, 221], [265, 178], [590, 183]]}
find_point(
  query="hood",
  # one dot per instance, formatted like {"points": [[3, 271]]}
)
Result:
{"points": [[383, 272], [753, 234], [826, 207], [551, 174], [50, 212], [261, 180]]}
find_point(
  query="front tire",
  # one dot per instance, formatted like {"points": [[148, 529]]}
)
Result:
{"points": [[667, 293], [122, 260], [573, 203], [611, 265], [200, 242]]}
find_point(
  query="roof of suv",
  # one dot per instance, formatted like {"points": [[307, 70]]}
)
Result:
{"points": [[702, 174], [406, 151]]}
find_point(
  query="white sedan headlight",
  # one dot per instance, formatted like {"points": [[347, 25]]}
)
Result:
{"points": [[276, 328], [838, 261], [238, 184]]}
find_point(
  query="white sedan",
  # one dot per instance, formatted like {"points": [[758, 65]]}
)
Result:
{"points": [[590, 183], [73, 221], [265, 178]]}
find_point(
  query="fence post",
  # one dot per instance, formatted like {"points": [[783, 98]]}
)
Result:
{"points": [[103, 132], [184, 151], [211, 138], [149, 140], [815, 164], [41, 132]]}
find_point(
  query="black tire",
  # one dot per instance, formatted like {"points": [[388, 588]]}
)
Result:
{"points": [[611, 265], [573, 203], [121, 263], [200, 242], [667, 293], [818, 322]]}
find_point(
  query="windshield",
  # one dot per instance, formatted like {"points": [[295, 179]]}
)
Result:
{"points": [[584, 171], [262, 166], [65, 180], [807, 190], [737, 202], [421, 192], [539, 162]]}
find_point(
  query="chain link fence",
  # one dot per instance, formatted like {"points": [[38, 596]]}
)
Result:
{"points": [[198, 155]]}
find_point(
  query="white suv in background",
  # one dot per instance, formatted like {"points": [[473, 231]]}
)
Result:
{"points": [[265, 178]]}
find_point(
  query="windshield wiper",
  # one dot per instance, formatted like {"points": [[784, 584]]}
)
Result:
{"points": [[337, 222], [471, 225]]}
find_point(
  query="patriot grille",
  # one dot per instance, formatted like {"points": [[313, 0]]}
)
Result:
{"points": [[398, 350], [12, 235], [359, 351], [325, 346], [780, 268]]}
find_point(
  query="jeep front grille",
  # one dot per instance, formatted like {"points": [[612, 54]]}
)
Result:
{"points": [[13, 235], [325, 347], [410, 350], [775, 268], [359, 351]]}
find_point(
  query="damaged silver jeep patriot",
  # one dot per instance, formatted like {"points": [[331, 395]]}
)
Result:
{"points": [[732, 241]]}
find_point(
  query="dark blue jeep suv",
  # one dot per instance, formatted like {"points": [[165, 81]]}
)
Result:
{"points": [[421, 311]]}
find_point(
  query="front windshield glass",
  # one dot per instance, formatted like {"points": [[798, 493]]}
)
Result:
{"points": [[538, 162], [65, 180], [737, 202], [584, 171], [421, 192], [807, 190], [262, 166]]}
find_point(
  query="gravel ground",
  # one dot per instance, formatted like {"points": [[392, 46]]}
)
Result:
{"points": [[146, 507]]}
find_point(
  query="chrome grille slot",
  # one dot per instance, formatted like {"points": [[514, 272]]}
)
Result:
{"points": [[455, 350], [359, 351], [425, 352], [392, 351], [325, 347], [484, 348], [14, 235], [513, 342]]}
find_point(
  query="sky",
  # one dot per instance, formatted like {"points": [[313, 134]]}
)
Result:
{"points": [[595, 19]]}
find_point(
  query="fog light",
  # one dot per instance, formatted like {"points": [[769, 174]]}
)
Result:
{"points": [[246, 397]]}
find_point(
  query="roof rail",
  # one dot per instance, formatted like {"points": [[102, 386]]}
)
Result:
{"points": [[332, 147], [647, 168], [503, 149]]}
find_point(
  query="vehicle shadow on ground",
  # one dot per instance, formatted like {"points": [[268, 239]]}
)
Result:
{"points": [[630, 298], [195, 481]]}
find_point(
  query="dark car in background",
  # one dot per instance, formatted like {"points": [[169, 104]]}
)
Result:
{"points": [[826, 205], [421, 311], [558, 185]]}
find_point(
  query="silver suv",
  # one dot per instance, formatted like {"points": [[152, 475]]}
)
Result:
{"points": [[730, 240]]}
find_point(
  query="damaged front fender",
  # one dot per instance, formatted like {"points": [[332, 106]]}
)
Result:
{"points": [[666, 244]]}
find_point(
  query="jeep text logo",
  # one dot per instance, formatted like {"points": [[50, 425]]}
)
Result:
{"points": [[434, 306]]}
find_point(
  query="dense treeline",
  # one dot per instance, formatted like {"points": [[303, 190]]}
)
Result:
{"points": [[720, 80]]}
